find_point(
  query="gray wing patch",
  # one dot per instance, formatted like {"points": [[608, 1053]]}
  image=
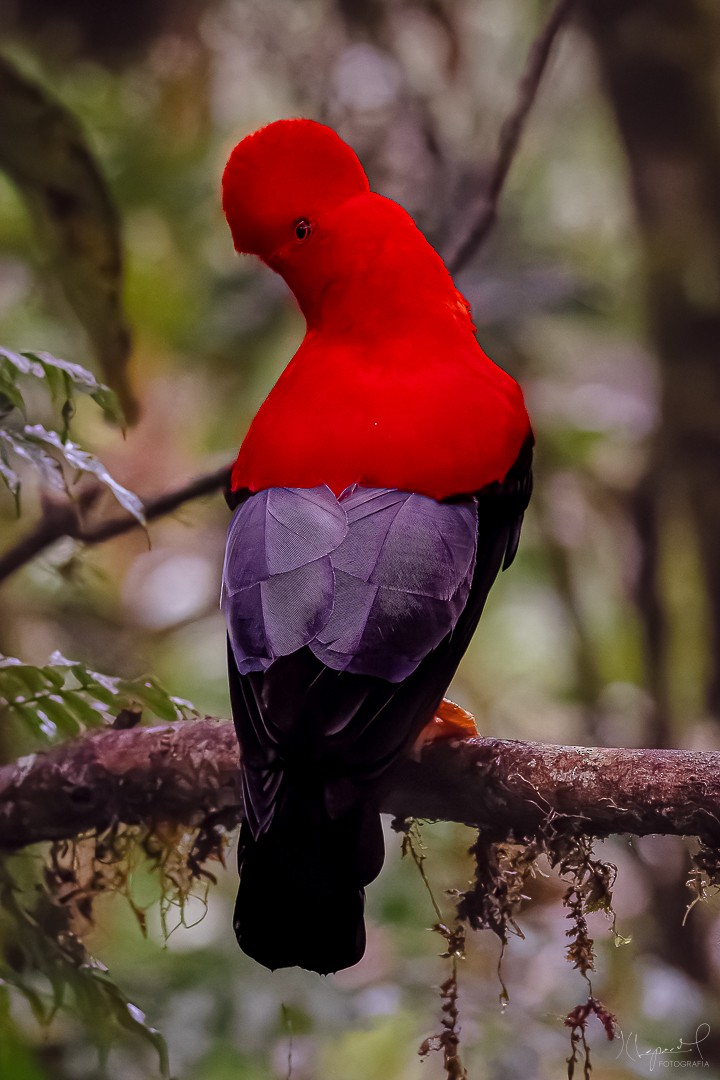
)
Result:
{"points": [[278, 582], [370, 582]]}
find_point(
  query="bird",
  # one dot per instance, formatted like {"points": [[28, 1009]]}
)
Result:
{"points": [[378, 492]]}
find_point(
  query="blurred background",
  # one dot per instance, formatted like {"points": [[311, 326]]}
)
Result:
{"points": [[599, 290]]}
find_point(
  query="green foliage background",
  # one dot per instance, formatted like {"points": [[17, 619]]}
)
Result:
{"points": [[420, 90]]}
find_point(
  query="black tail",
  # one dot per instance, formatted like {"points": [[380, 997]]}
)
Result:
{"points": [[302, 895]]}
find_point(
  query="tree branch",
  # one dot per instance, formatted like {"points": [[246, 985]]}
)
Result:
{"points": [[65, 518], [484, 213], [187, 772]]}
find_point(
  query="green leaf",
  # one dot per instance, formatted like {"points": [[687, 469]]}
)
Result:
{"points": [[9, 390], [44, 152], [152, 695], [132, 1018], [84, 461], [55, 382], [36, 456], [13, 688], [112, 701], [10, 478], [53, 366], [22, 362], [56, 711], [108, 401], [82, 710], [104, 688], [35, 679], [38, 725], [65, 377]]}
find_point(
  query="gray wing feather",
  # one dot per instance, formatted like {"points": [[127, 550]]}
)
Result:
{"points": [[371, 582]]}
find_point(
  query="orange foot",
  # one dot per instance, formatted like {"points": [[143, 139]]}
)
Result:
{"points": [[449, 722]]}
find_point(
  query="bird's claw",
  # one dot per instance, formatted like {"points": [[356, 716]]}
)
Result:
{"points": [[449, 722]]}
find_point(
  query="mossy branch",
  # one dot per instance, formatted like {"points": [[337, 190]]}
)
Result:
{"points": [[187, 773]]}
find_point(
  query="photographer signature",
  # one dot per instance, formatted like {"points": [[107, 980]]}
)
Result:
{"points": [[684, 1054]]}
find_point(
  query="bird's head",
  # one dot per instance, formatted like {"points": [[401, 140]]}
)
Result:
{"points": [[283, 181], [297, 196]]}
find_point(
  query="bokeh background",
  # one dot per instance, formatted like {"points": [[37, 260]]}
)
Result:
{"points": [[599, 290]]}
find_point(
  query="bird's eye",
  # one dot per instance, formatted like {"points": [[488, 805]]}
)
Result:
{"points": [[303, 229]]}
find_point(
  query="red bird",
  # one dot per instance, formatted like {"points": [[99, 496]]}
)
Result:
{"points": [[378, 492]]}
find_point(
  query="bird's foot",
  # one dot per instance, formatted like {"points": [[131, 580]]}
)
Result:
{"points": [[449, 722]]}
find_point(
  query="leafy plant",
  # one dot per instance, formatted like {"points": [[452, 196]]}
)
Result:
{"points": [[45, 450], [45, 904], [44, 960], [64, 697], [64, 380]]}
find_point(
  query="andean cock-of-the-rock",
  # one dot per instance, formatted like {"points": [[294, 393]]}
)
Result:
{"points": [[377, 494]]}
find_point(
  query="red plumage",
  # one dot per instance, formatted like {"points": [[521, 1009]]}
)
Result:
{"points": [[394, 388]]}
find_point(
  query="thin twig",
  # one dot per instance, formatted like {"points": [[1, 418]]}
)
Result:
{"points": [[64, 518], [484, 214]]}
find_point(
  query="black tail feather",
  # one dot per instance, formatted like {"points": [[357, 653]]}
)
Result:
{"points": [[302, 896]]}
